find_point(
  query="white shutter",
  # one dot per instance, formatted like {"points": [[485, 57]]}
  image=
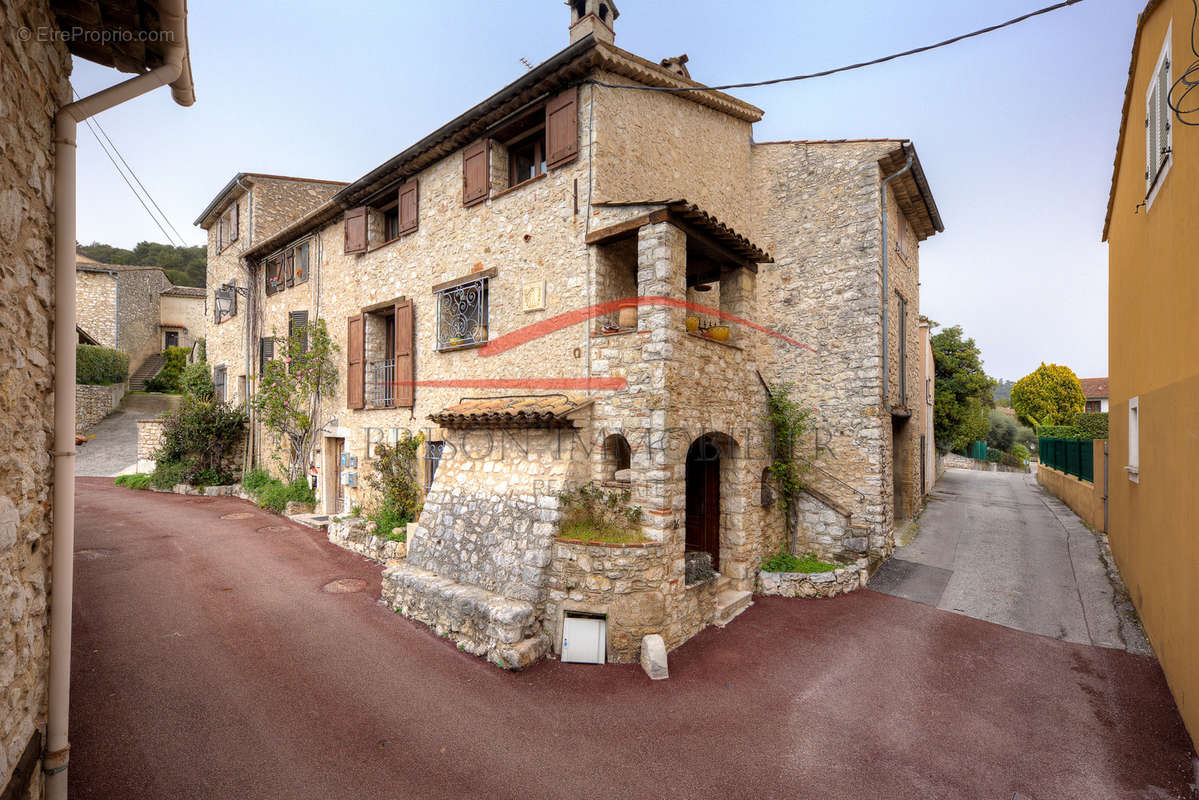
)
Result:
{"points": [[1150, 137], [1163, 113]]}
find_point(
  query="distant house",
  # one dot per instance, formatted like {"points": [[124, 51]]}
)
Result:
{"points": [[1153, 347], [1095, 390], [135, 309]]}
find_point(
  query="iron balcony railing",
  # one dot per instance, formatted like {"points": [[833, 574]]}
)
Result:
{"points": [[380, 379]]}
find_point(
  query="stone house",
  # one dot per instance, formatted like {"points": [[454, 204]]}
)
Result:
{"points": [[37, 336], [581, 280], [136, 309]]}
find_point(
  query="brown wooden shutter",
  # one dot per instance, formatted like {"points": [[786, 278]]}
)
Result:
{"points": [[476, 173], [235, 218], [409, 210], [289, 259], [562, 129], [405, 358], [355, 362], [356, 230]]}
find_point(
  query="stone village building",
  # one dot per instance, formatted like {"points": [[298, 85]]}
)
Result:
{"points": [[457, 279]]}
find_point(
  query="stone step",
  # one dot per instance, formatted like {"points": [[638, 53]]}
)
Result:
{"points": [[502, 630], [730, 603], [722, 582]]}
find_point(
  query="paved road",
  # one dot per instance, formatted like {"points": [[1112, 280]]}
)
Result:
{"points": [[997, 547], [209, 663], [111, 448]]}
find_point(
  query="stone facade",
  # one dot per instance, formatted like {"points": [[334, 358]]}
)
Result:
{"points": [[600, 228], [94, 403], [120, 307], [33, 85], [181, 311]]}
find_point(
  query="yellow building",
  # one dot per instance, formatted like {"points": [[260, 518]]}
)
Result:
{"points": [[1152, 230]]}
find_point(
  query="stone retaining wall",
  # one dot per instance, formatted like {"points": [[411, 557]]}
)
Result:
{"points": [[358, 536], [636, 586], [812, 584], [94, 403]]}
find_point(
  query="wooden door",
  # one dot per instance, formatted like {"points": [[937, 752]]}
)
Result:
{"points": [[703, 499]]}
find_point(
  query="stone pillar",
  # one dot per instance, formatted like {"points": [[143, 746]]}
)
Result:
{"points": [[661, 272], [737, 295]]}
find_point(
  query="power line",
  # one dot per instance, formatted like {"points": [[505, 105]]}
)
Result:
{"points": [[94, 125], [859, 65]]}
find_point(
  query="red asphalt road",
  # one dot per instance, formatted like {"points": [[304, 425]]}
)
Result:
{"points": [[208, 663]]}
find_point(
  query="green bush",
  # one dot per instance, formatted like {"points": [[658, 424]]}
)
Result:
{"points": [[391, 524], [201, 350], [167, 379], [1060, 432], [134, 481], [1020, 452], [274, 494], [166, 475], [196, 382], [255, 479], [782, 561], [1091, 426], [100, 366], [197, 438], [393, 479], [1001, 433]]}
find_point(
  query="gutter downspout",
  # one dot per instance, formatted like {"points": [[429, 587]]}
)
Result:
{"points": [[886, 289], [62, 560]]}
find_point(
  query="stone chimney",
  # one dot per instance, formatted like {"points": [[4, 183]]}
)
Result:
{"points": [[677, 65], [596, 17]]}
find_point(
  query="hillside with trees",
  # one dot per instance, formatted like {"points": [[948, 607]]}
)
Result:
{"points": [[184, 266]]}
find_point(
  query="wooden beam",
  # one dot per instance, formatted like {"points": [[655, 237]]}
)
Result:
{"points": [[627, 228]]}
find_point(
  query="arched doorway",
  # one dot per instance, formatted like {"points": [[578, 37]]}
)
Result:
{"points": [[703, 498]]}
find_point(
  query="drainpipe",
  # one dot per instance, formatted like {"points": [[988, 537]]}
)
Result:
{"points": [[886, 291], [173, 14]]}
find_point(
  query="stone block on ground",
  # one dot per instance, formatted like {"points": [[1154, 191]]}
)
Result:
{"points": [[653, 657], [296, 507]]}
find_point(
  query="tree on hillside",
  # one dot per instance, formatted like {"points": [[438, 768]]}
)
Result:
{"points": [[1049, 395], [963, 390], [184, 266]]}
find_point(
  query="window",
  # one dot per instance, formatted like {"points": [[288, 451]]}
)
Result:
{"points": [[395, 215], [391, 221], [218, 383], [275, 280], [1158, 130], [381, 356], [297, 328], [299, 262], [462, 314], [1094, 406], [227, 226], [1134, 440], [266, 352], [523, 148], [433, 454]]}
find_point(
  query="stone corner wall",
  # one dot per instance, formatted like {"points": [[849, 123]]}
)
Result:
{"points": [[33, 86], [94, 403], [359, 536]]}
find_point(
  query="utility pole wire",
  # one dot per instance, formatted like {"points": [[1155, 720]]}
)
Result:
{"points": [[859, 65], [94, 125]]}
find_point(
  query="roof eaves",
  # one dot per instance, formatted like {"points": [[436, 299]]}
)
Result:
{"points": [[1132, 68]]}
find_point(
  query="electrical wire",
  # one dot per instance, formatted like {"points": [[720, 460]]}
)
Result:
{"points": [[93, 126], [859, 65], [1189, 79]]}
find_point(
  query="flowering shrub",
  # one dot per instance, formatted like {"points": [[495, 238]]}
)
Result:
{"points": [[395, 482], [289, 393]]}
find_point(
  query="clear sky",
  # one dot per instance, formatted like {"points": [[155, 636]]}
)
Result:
{"points": [[1016, 130]]}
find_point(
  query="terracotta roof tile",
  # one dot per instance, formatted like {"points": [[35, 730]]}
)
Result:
{"points": [[518, 411], [1094, 388]]}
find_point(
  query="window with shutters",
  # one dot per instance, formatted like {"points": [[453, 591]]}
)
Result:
{"points": [[356, 230], [522, 149], [297, 328], [1158, 127], [218, 384], [274, 270], [227, 226], [266, 352], [388, 354], [463, 314], [396, 215]]}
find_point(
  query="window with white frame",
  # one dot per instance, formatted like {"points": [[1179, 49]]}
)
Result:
{"points": [[1158, 130], [1134, 440], [462, 315]]}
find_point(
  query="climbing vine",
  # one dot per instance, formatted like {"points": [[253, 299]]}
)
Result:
{"points": [[396, 484], [788, 422]]}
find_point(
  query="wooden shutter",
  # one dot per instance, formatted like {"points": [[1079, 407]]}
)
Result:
{"points": [[297, 326], [1163, 113], [356, 230], [476, 173], [562, 129], [405, 357], [409, 209], [235, 218], [355, 362], [289, 259], [266, 351]]}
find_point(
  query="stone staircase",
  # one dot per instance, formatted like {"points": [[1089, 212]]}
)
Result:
{"points": [[729, 601], [149, 368]]}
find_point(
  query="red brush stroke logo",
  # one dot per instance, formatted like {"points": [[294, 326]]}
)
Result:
{"points": [[537, 330]]}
